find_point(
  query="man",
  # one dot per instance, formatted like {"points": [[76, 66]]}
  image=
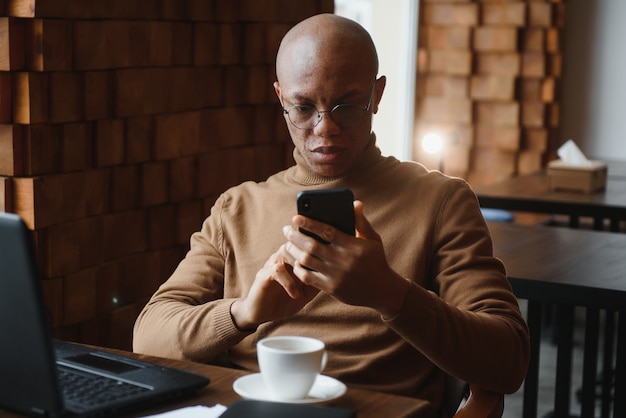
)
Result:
{"points": [[417, 291]]}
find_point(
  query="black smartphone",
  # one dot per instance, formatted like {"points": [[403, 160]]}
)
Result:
{"points": [[331, 206]]}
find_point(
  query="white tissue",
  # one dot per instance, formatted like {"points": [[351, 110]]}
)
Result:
{"points": [[197, 411], [570, 154]]}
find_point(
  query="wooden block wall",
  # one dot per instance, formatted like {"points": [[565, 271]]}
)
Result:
{"points": [[488, 79], [120, 123]]}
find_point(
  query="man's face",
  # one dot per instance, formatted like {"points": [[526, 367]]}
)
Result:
{"points": [[329, 149]]}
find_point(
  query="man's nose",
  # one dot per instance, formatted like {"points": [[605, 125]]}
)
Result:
{"points": [[326, 125]]}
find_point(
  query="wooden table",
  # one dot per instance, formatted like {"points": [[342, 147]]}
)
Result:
{"points": [[567, 267], [220, 391], [531, 193]]}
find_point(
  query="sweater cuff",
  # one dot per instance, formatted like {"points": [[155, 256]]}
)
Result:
{"points": [[225, 324]]}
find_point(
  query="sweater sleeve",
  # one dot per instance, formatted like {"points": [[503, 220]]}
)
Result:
{"points": [[188, 316], [468, 322]]}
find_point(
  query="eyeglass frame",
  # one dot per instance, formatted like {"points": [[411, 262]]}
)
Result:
{"points": [[330, 112]]}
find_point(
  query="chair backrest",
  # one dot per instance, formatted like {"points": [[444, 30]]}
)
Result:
{"points": [[479, 403], [482, 404], [455, 392]]}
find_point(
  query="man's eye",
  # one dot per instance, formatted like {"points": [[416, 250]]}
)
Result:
{"points": [[304, 109]]}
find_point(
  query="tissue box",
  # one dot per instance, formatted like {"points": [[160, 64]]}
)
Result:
{"points": [[586, 179]]}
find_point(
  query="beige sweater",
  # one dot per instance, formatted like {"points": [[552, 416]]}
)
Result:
{"points": [[460, 314]]}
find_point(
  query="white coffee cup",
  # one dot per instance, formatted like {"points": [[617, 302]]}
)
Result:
{"points": [[290, 364]]}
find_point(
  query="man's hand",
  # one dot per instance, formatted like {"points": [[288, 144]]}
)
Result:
{"points": [[352, 269], [275, 294]]}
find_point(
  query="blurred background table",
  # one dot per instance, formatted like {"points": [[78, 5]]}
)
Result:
{"points": [[531, 193], [568, 268]]}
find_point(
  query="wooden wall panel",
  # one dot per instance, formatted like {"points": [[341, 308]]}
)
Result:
{"points": [[509, 56], [121, 121], [6, 195]]}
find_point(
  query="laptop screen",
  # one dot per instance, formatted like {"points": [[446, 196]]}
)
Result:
{"points": [[27, 371], [31, 362]]}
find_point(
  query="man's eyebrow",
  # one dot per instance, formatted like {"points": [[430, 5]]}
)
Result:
{"points": [[301, 97]]}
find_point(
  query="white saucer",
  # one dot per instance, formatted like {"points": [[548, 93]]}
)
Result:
{"points": [[325, 389]]}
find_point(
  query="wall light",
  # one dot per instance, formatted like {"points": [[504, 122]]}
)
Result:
{"points": [[433, 142]]}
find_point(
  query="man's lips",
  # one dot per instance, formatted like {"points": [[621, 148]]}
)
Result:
{"points": [[332, 149], [327, 153]]}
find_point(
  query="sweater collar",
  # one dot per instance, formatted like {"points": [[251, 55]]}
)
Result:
{"points": [[303, 175]]}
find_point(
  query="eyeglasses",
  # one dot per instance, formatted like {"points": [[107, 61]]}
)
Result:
{"points": [[345, 115]]}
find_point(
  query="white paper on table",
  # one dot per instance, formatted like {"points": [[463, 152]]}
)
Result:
{"points": [[198, 411], [570, 154]]}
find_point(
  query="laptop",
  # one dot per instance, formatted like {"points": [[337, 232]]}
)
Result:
{"points": [[36, 371]]}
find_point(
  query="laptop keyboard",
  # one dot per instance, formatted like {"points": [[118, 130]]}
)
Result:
{"points": [[93, 390]]}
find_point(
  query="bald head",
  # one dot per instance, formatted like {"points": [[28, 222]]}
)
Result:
{"points": [[327, 42], [326, 63]]}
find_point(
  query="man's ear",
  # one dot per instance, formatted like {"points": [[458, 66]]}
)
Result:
{"points": [[277, 90], [378, 92]]}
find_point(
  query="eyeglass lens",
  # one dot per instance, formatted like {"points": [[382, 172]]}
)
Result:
{"points": [[307, 117], [344, 115]]}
